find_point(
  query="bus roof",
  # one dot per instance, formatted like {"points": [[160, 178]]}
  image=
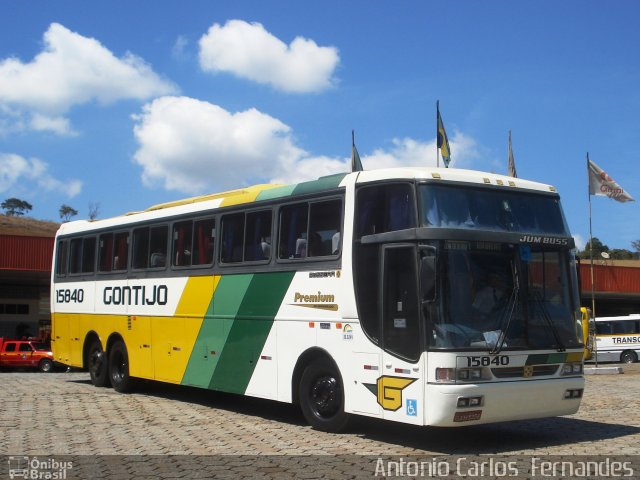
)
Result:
{"points": [[271, 191]]}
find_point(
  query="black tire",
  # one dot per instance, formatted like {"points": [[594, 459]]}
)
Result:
{"points": [[321, 397], [119, 368], [45, 365], [98, 365], [628, 357]]}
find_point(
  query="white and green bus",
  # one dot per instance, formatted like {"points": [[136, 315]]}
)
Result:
{"points": [[419, 295], [617, 339]]}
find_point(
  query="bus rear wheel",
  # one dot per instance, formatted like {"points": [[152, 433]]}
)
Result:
{"points": [[628, 357], [119, 368], [321, 397], [97, 365]]}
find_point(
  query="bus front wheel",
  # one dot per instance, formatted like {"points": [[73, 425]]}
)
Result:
{"points": [[628, 357], [119, 368], [97, 365], [321, 397]]}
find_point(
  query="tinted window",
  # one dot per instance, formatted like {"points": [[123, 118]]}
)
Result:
{"points": [[158, 246], [10, 347], [257, 245], [61, 260], [88, 255], [82, 255], [105, 253], [25, 347], [182, 243], [384, 208], [75, 256], [140, 254], [232, 238], [204, 235], [490, 209], [293, 231], [121, 251], [310, 229]]}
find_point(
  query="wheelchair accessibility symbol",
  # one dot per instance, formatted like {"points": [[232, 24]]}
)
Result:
{"points": [[412, 407]]}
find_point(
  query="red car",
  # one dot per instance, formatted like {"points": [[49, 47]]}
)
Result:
{"points": [[25, 353]]}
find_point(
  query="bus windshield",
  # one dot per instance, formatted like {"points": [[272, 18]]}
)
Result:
{"points": [[488, 209], [498, 296]]}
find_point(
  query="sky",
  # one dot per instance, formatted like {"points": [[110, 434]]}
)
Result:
{"points": [[123, 105]]}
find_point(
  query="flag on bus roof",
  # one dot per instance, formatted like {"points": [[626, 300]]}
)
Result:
{"points": [[512, 162], [443, 141], [356, 163], [601, 184]]}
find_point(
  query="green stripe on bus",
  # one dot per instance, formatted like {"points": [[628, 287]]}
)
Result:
{"points": [[249, 331], [215, 329], [544, 358], [277, 192], [323, 183]]}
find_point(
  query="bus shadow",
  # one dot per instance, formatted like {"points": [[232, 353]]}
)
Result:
{"points": [[506, 437], [498, 438]]}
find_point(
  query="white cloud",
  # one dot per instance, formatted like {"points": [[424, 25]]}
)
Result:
{"points": [[580, 242], [32, 173], [192, 146], [195, 147], [73, 70], [249, 51], [179, 49], [58, 125]]}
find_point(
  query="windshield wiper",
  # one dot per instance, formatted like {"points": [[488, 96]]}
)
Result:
{"points": [[512, 306], [537, 297]]}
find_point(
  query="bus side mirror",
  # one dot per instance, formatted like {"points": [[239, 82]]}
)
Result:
{"points": [[428, 278]]}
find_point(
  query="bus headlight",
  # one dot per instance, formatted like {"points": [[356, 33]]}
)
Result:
{"points": [[574, 368], [446, 375], [470, 374]]}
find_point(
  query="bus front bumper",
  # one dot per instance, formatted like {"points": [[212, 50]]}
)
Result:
{"points": [[501, 401]]}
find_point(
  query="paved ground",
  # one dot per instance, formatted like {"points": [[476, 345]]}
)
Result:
{"points": [[62, 416]]}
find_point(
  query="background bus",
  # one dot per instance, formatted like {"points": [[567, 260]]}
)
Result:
{"points": [[618, 339], [420, 295]]}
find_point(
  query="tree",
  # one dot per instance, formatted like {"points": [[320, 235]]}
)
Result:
{"points": [[621, 254], [94, 210], [66, 212], [636, 245], [598, 248], [14, 207]]}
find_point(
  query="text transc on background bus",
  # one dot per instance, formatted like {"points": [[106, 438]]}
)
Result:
{"points": [[617, 339], [426, 296]]}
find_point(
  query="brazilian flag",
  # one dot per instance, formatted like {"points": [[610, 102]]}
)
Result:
{"points": [[443, 141]]}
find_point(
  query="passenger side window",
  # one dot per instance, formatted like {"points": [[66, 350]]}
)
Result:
{"points": [[61, 260], [150, 247], [25, 347], [105, 252], [140, 253], [232, 238], [82, 256], [121, 251], [75, 256], [257, 242], [158, 247], [204, 236], [182, 243], [88, 255], [10, 347], [310, 230], [293, 231], [384, 208]]}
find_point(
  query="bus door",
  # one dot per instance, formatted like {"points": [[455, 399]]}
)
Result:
{"points": [[401, 385]]}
